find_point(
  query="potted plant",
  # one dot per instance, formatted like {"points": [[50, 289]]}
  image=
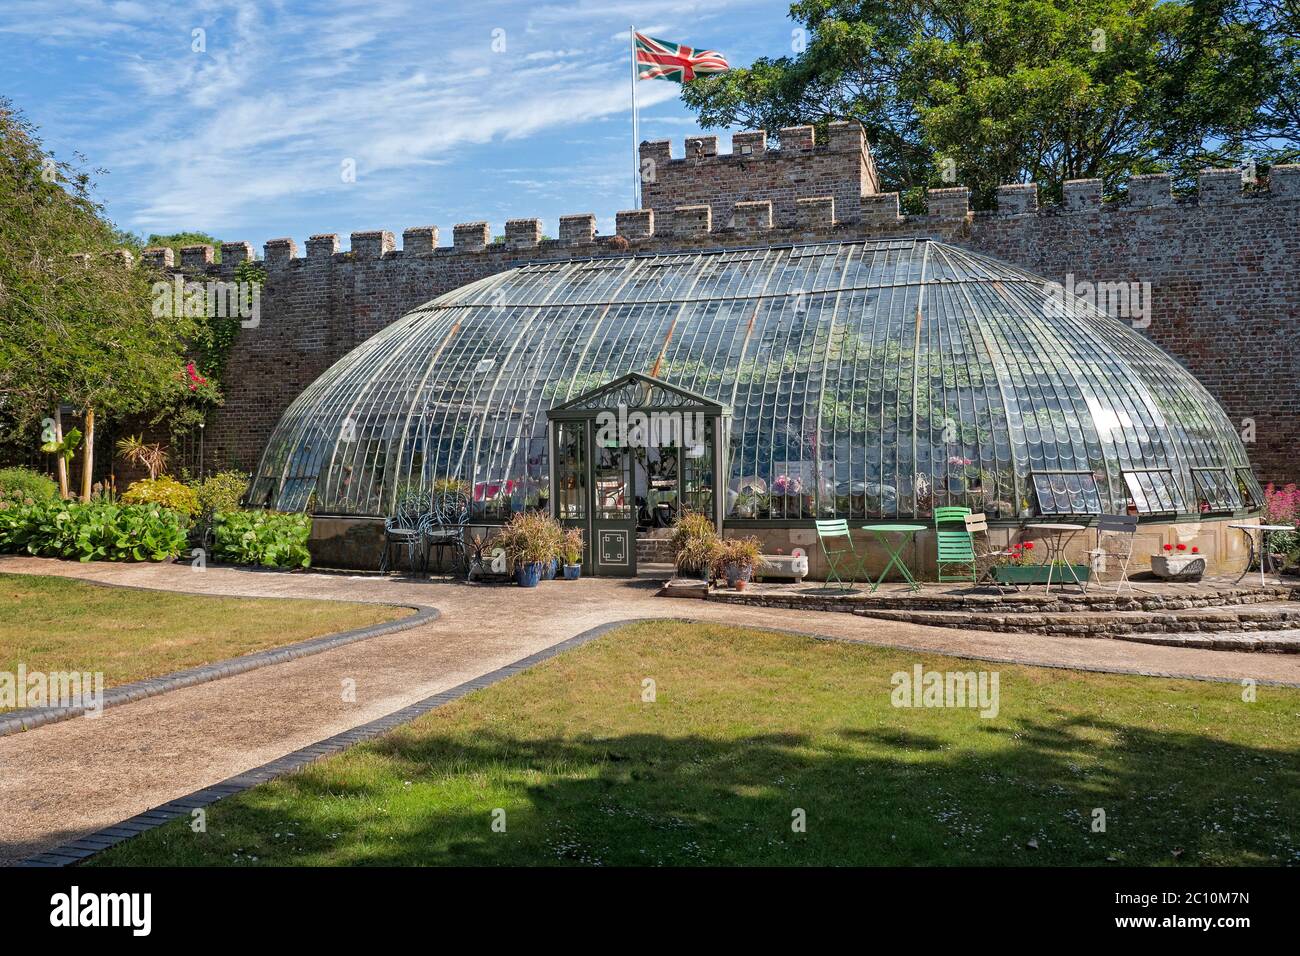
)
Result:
{"points": [[749, 502], [694, 544], [572, 554], [530, 542], [736, 558], [1178, 563]]}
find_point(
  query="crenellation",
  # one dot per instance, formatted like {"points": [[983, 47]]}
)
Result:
{"points": [[1082, 195], [196, 258], [794, 138], [701, 147], [159, 257], [815, 213], [1284, 181], [419, 240], [1154, 189], [324, 245], [1018, 199], [233, 253], [1220, 269], [1218, 185], [634, 224], [951, 203], [470, 236], [578, 229], [746, 144], [523, 233], [880, 209], [374, 244], [279, 252], [752, 217], [692, 220]]}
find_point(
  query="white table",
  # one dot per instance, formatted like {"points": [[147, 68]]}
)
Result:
{"points": [[1057, 538], [1249, 531]]}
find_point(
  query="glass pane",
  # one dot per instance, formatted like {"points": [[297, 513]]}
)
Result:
{"points": [[1061, 493], [1153, 492], [571, 470], [613, 497], [1215, 491]]}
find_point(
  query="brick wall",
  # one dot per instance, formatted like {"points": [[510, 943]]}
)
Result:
{"points": [[1222, 268]]}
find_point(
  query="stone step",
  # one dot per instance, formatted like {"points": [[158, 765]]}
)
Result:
{"points": [[1261, 617], [1263, 642]]}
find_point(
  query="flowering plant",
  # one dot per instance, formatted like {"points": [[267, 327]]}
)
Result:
{"points": [[1282, 505], [787, 485], [1018, 554]]}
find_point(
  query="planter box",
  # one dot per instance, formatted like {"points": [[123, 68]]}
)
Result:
{"points": [[783, 566], [1178, 567], [1037, 574]]}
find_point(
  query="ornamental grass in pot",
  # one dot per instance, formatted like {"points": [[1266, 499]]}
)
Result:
{"points": [[695, 545], [736, 558]]}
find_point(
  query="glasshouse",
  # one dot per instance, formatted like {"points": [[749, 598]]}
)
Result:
{"points": [[766, 387]]}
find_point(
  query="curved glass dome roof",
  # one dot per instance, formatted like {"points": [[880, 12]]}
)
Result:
{"points": [[863, 379]]}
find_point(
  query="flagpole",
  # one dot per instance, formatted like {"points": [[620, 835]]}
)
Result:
{"points": [[636, 130]]}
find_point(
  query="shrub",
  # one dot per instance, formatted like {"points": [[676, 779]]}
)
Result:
{"points": [[167, 492], [573, 546], [93, 532], [1281, 505], [274, 539], [20, 486], [220, 492]]}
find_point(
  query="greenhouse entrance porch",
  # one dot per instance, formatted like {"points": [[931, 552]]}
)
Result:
{"points": [[626, 458]]}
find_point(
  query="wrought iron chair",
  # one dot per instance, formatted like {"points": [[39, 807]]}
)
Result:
{"points": [[405, 527], [839, 559], [1119, 531], [986, 555], [955, 549], [444, 527]]}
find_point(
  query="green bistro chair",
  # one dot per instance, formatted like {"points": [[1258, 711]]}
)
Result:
{"points": [[956, 545], [839, 558]]}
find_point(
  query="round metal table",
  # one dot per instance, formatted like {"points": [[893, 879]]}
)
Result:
{"points": [[895, 554], [1249, 531], [1057, 538]]}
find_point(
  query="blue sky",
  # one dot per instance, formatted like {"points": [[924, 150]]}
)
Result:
{"points": [[247, 138]]}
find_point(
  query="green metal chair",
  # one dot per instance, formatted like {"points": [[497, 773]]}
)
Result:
{"points": [[956, 545], [839, 559]]}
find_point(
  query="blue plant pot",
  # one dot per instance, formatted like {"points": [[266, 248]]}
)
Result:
{"points": [[529, 575], [572, 572], [549, 569]]}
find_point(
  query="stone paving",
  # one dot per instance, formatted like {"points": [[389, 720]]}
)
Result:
{"points": [[64, 780]]}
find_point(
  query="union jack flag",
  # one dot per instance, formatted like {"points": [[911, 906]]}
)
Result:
{"points": [[661, 60]]}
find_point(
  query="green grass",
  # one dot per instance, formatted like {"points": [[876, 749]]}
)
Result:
{"points": [[57, 624], [748, 726]]}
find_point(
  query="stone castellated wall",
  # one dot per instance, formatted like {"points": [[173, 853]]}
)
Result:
{"points": [[1223, 265]]}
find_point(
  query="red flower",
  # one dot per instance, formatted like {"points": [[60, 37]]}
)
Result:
{"points": [[1169, 547], [1195, 550], [1029, 546], [1182, 547]]}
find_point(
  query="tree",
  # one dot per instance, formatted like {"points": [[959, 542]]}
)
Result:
{"points": [[76, 323], [176, 241], [987, 92], [1277, 131]]}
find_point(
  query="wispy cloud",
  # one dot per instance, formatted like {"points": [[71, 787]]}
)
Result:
{"points": [[236, 115]]}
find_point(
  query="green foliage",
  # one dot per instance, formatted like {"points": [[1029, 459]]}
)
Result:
{"points": [[176, 241], [64, 448], [76, 326], [92, 532], [24, 486], [164, 491], [531, 537], [695, 544], [220, 493], [270, 538], [1006, 91]]}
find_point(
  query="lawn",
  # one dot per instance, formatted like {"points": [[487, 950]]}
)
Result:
{"points": [[748, 727], [57, 624]]}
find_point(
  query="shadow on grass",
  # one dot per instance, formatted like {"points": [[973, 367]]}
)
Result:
{"points": [[874, 795]]}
